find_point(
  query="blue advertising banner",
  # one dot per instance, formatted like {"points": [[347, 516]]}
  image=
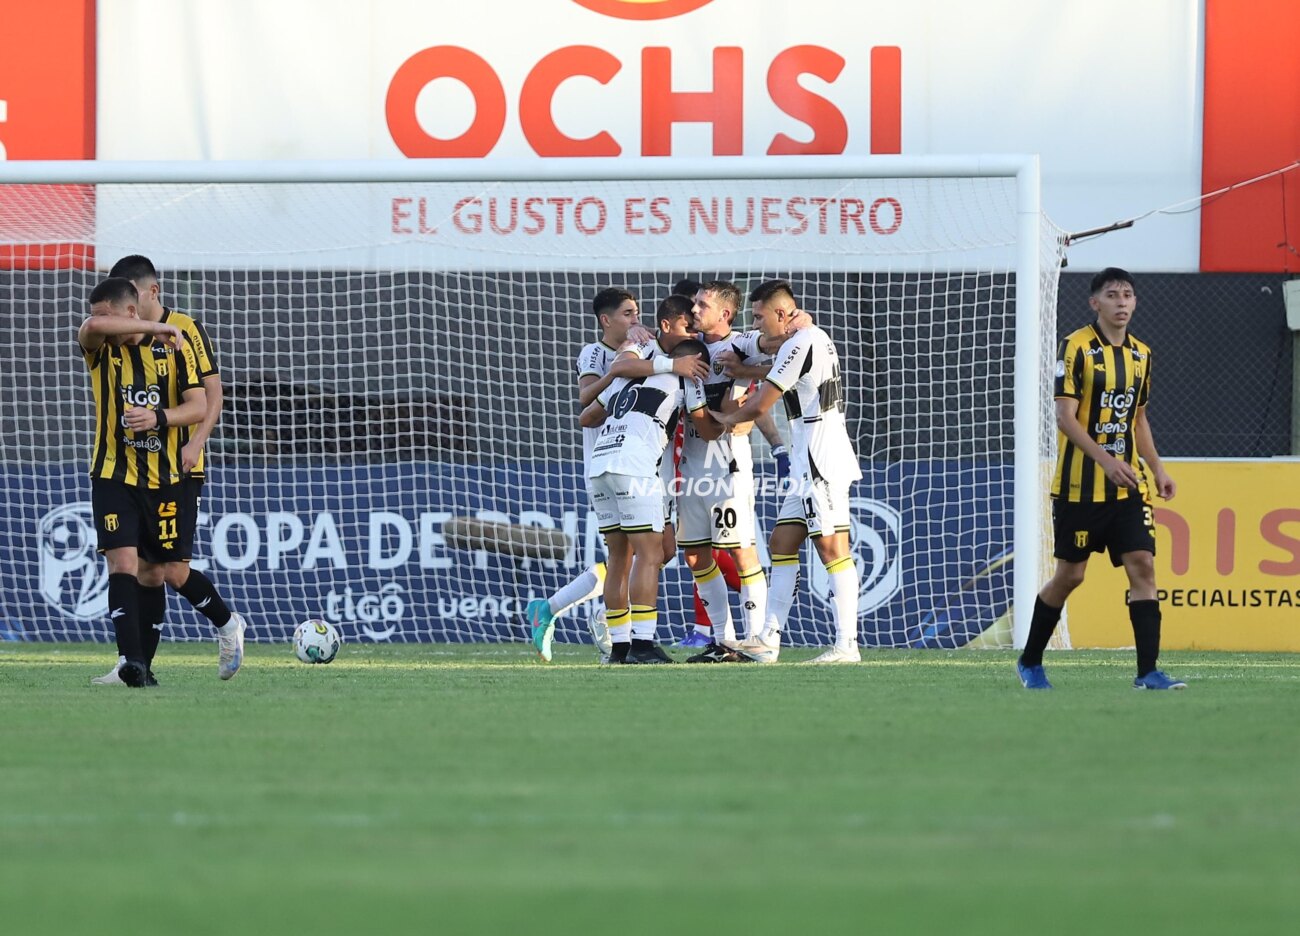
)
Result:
{"points": [[362, 546]]}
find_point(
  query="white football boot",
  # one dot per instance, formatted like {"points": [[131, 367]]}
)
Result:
{"points": [[111, 678], [230, 646], [764, 649], [599, 628], [838, 654]]}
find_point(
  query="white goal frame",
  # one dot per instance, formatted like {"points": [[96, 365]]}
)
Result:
{"points": [[1031, 452]]}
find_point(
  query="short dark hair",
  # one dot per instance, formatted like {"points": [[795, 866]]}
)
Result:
{"points": [[134, 268], [673, 307], [114, 289], [770, 289], [727, 293], [1110, 275], [686, 287], [691, 346], [608, 300]]}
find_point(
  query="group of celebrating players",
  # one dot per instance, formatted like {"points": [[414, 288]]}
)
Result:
{"points": [[634, 388], [158, 395]]}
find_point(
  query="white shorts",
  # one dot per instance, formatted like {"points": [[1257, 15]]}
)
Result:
{"points": [[591, 504], [633, 505], [822, 506], [717, 512], [670, 509]]}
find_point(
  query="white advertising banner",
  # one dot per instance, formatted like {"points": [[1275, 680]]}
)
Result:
{"points": [[1107, 92], [777, 225]]}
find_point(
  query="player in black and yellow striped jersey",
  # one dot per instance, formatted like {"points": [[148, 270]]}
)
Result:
{"points": [[1100, 492], [144, 390], [192, 585]]}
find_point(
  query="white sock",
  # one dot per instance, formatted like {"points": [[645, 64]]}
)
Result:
{"points": [[585, 587], [713, 595], [780, 593], [620, 625], [753, 601], [844, 586], [644, 622]]}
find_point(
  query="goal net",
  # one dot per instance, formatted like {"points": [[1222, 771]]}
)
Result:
{"points": [[397, 344]]}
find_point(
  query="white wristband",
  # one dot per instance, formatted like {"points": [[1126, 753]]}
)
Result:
{"points": [[663, 365]]}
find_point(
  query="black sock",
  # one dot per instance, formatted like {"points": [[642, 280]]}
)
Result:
{"points": [[124, 611], [1145, 616], [199, 591], [153, 609], [1041, 627]]}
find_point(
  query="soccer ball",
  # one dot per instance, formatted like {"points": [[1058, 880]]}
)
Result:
{"points": [[316, 641]]}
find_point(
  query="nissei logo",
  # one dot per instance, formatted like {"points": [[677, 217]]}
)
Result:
{"points": [[642, 9], [72, 577]]}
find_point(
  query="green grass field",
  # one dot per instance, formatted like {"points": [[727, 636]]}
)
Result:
{"points": [[433, 789]]}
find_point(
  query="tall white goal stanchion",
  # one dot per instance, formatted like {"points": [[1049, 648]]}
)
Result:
{"points": [[399, 451]]}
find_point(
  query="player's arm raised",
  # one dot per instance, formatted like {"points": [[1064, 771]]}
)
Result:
{"points": [[631, 364], [97, 329]]}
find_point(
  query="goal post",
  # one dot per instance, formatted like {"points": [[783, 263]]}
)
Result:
{"points": [[446, 300]]}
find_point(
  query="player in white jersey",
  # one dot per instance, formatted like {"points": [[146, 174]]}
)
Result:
{"points": [[716, 504], [637, 417], [823, 464], [618, 316]]}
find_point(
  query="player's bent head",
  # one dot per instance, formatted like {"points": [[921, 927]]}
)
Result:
{"points": [[674, 315], [687, 287], [689, 346], [1108, 276], [136, 268], [768, 290], [116, 292], [725, 294], [607, 302]]}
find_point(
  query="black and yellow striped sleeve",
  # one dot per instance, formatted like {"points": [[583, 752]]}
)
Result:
{"points": [[1069, 369], [1144, 391], [188, 375], [205, 355]]}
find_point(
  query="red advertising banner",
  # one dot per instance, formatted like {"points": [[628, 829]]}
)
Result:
{"points": [[1252, 126], [47, 111]]}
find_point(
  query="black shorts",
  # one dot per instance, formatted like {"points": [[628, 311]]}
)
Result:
{"points": [[158, 522], [1119, 527]]}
